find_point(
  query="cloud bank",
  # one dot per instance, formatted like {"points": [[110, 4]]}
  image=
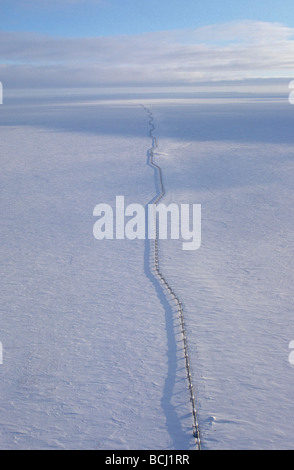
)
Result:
{"points": [[234, 51]]}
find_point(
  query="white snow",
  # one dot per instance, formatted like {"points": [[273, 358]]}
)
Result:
{"points": [[237, 161], [92, 356]]}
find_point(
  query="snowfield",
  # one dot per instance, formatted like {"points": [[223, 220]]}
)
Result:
{"points": [[92, 351]]}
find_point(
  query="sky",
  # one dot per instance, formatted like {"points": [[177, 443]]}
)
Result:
{"points": [[83, 43], [85, 18]]}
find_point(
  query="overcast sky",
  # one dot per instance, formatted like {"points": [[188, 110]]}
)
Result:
{"points": [[141, 43]]}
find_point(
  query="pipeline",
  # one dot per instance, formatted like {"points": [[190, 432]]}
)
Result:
{"points": [[164, 282]]}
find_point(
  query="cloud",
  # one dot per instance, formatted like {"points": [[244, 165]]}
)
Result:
{"points": [[244, 32], [234, 51]]}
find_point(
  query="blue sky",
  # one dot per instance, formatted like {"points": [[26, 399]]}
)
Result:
{"points": [[112, 17], [155, 43]]}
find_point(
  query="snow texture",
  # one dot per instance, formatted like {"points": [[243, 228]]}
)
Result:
{"points": [[92, 354]]}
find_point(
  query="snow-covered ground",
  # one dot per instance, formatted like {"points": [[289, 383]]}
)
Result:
{"points": [[236, 160], [92, 358]]}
